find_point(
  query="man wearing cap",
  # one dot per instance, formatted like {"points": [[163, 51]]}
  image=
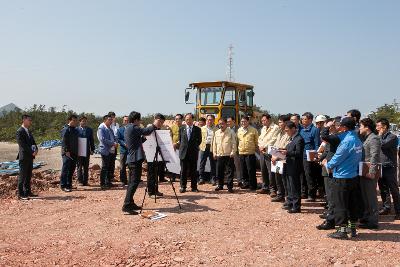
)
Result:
{"points": [[345, 186]]}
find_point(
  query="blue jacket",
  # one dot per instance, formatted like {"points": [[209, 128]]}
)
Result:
{"points": [[121, 140], [311, 138], [106, 139], [347, 157]]}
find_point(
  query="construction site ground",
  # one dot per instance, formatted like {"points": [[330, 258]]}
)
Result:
{"points": [[87, 228]]}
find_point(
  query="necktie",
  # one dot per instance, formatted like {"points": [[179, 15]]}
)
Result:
{"points": [[189, 132]]}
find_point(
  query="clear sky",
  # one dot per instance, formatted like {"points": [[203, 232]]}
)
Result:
{"points": [[96, 56]]}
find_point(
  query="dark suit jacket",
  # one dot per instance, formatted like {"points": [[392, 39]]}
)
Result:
{"points": [[189, 148], [294, 155], [70, 141], [25, 144], [134, 142], [88, 133]]}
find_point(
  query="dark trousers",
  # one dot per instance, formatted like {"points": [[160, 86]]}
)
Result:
{"points": [[280, 184], [226, 165], [312, 182], [329, 200], [303, 181], [105, 169], [346, 198], [155, 170], [122, 165], [268, 177], [388, 186], [111, 169], [294, 190], [284, 181], [248, 164], [264, 171], [135, 173], [83, 169], [67, 171], [204, 155], [369, 200], [189, 168], [24, 177]]}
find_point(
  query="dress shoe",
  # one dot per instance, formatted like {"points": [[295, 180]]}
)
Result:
{"points": [[273, 194], [159, 194], [230, 190], [195, 190], [323, 215], [368, 226], [384, 211], [201, 182], [129, 210], [338, 235], [397, 217], [278, 199], [23, 198], [310, 199], [218, 188], [66, 189], [182, 190], [262, 191], [163, 180], [304, 196], [294, 211], [243, 186], [326, 226]]}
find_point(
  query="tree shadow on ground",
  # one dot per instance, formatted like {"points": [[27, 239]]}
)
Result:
{"points": [[377, 236]]}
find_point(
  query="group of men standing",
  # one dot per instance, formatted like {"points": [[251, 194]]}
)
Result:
{"points": [[341, 160]]}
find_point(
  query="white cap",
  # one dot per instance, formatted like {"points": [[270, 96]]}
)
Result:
{"points": [[320, 118]]}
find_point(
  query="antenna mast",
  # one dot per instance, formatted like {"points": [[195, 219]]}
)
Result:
{"points": [[229, 73]]}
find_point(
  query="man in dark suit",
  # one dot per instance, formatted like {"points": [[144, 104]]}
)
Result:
{"points": [[27, 152], [69, 152], [83, 162], [134, 136], [294, 167], [189, 142]]}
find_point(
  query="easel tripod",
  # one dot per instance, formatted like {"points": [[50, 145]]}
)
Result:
{"points": [[156, 166]]}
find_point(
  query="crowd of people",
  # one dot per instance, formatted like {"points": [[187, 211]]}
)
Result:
{"points": [[339, 160]]}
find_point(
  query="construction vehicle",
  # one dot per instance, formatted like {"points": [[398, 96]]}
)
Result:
{"points": [[222, 99]]}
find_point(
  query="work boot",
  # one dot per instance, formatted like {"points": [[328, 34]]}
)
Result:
{"points": [[340, 233], [262, 191], [384, 211], [326, 225], [351, 229]]}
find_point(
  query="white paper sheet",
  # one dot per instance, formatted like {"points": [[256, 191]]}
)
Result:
{"points": [[82, 147]]}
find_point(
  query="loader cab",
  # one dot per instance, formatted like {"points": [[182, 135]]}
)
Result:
{"points": [[222, 99]]}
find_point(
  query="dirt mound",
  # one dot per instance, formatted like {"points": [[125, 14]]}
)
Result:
{"points": [[41, 181]]}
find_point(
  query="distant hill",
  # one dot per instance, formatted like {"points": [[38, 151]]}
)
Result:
{"points": [[8, 108]]}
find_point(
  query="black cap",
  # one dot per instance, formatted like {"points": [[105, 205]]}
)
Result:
{"points": [[348, 122]]}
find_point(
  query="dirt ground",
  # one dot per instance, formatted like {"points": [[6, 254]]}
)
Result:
{"points": [[87, 228]]}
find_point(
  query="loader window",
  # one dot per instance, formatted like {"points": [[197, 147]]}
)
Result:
{"points": [[210, 96], [230, 96]]}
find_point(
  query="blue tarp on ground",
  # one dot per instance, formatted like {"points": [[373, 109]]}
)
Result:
{"points": [[12, 167], [50, 144]]}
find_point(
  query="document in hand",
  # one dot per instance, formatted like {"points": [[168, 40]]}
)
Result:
{"points": [[364, 170], [274, 151], [82, 147], [278, 167], [312, 155]]}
